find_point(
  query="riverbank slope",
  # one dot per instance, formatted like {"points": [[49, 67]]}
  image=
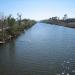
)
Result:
{"points": [[13, 28]]}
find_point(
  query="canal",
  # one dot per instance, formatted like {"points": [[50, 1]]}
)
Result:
{"points": [[43, 49]]}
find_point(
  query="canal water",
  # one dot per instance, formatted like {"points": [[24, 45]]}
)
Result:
{"points": [[43, 49]]}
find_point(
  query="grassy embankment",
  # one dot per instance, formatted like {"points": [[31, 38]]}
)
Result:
{"points": [[14, 29]]}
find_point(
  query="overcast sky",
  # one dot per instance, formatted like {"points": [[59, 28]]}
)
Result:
{"points": [[38, 9]]}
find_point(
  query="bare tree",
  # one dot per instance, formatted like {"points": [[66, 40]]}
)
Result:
{"points": [[19, 18]]}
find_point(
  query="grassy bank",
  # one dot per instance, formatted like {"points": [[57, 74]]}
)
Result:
{"points": [[15, 28]]}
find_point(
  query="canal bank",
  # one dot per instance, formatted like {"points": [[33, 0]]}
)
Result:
{"points": [[13, 29]]}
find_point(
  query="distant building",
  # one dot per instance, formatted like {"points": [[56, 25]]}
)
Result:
{"points": [[65, 17], [70, 20]]}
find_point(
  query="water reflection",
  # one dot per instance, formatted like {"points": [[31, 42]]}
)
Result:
{"points": [[7, 58]]}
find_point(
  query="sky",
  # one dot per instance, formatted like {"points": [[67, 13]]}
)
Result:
{"points": [[38, 9]]}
